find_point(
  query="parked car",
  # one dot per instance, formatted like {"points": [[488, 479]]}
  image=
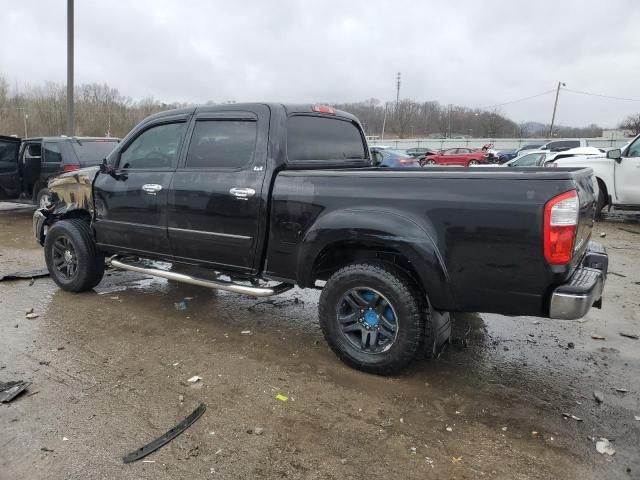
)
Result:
{"points": [[420, 152], [462, 156], [617, 172], [560, 145], [506, 155], [530, 146], [535, 158], [27, 165], [392, 158], [240, 196]]}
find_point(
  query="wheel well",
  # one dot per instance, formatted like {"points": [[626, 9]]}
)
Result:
{"points": [[81, 214], [603, 187], [338, 255]]}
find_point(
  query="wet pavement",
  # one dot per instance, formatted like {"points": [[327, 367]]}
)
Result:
{"points": [[109, 369]]}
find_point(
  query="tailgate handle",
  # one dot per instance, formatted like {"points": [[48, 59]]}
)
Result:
{"points": [[151, 188], [242, 192]]}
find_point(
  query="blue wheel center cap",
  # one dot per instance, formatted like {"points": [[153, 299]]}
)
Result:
{"points": [[371, 318]]}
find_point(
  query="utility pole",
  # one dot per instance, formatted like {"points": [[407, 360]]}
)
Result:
{"points": [[70, 116], [555, 106], [397, 89], [26, 117], [384, 122], [449, 126]]}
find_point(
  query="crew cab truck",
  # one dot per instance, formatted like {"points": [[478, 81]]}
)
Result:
{"points": [[26, 165], [257, 198], [617, 172]]}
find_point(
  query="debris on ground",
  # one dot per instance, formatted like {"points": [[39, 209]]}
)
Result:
{"points": [[413, 450], [256, 430], [45, 449], [621, 390], [599, 397], [449, 429], [65, 439], [603, 234], [568, 415], [181, 305], [181, 398], [571, 345], [637, 417], [633, 336], [194, 379], [29, 310], [604, 446], [31, 315], [31, 274], [167, 437], [10, 390], [456, 459], [245, 332], [595, 336], [282, 398]]}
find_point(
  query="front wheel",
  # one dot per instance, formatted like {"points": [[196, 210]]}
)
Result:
{"points": [[43, 199], [373, 317], [473, 162], [602, 202], [72, 257]]}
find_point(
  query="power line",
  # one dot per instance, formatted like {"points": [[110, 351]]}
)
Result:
{"points": [[518, 100], [601, 96]]}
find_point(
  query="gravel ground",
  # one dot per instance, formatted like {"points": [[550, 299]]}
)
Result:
{"points": [[109, 373]]}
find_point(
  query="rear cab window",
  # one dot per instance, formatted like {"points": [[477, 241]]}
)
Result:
{"points": [[313, 139], [52, 152]]}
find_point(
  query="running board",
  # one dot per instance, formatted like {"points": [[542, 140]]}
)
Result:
{"points": [[217, 284]]}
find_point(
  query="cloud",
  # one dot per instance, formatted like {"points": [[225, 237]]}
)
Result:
{"points": [[462, 52]]}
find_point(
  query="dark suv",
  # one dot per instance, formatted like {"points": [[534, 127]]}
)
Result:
{"points": [[27, 165]]}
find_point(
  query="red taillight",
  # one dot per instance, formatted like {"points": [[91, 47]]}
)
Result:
{"points": [[560, 224], [324, 109], [70, 168]]}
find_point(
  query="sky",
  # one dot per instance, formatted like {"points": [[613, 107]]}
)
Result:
{"points": [[471, 53]]}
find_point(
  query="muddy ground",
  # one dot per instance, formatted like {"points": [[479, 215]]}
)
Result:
{"points": [[109, 369]]}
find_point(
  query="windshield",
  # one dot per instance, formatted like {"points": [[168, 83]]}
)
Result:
{"points": [[91, 152]]}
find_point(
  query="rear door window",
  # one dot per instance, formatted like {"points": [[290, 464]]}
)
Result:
{"points": [[52, 153], [311, 139], [222, 144]]}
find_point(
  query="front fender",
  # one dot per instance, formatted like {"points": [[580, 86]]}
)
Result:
{"points": [[388, 230], [73, 191]]}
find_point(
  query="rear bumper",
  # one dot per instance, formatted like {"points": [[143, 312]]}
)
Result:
{"points": [[573, 299]]}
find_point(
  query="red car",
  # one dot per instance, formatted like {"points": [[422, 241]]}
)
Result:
{"points": [[457, 156]]}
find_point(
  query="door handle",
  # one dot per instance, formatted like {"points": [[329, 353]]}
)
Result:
{"points": [[242, 192], [151, 188]]}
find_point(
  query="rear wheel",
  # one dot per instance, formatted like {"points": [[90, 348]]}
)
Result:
{"points": [[43, 199], [373, 317], [72, 257], [430, 162]]}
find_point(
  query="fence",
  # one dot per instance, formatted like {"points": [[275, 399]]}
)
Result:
{"points": [[500, 143]]}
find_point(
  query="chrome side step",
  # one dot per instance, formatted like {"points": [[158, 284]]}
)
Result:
{"points": [[217, 284]]}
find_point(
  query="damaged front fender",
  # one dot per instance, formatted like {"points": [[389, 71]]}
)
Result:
{"points": [[71, 194]]}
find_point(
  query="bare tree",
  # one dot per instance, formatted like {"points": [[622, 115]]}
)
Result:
{"points": [[632, 122]]}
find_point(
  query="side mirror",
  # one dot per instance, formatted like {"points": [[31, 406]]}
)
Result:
{"points": [[614, 154]]}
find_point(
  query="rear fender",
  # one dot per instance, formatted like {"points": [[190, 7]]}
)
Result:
{"points": [[386, 230]]}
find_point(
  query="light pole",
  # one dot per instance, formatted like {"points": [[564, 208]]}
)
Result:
{"points": [[555, 106], [70, 116]]}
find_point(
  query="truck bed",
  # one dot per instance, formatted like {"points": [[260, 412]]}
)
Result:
{"points": [[480, 229]]}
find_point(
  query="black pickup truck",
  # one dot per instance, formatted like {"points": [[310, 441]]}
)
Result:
{"points": [[257, 198]]}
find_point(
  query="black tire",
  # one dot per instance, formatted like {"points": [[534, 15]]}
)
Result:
{"points": [[408, 308], [72, 258], [43, 198], [472, 162], [602, 202]]}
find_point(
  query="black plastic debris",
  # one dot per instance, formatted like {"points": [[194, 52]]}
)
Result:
{"points": [[166, 438], [41, 272], [10, 390]]}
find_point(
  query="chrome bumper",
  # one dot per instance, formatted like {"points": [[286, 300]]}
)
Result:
{"points": [[573, 300]]}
